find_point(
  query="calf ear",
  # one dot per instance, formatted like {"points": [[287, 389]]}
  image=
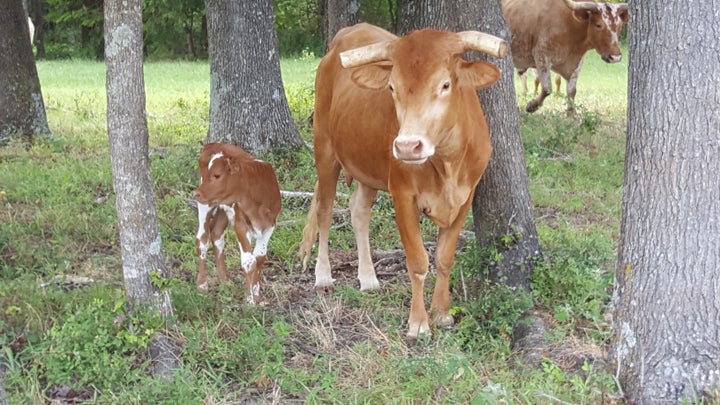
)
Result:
{"points": [[374, 76], [477, 74], [232, 166]]}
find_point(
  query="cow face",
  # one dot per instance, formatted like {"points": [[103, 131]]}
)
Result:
{"points": [[428, 81], [214, 180], [604, 23]]}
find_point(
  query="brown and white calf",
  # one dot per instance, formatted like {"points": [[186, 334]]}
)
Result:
{"points": [[239, 190]]}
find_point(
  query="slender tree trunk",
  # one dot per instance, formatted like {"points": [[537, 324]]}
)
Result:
{"points": [[247, 99], [339, 14], [502, 209], [128, 135], [666, 321], [22, 110]]}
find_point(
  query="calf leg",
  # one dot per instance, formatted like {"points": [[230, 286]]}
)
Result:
{"points": [[253, 274], [360, 203], [218, 224], [202, 246]]}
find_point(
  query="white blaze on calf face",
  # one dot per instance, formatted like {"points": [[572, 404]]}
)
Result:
{"points": [[213, 158]]}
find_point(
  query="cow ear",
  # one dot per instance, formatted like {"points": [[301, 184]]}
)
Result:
{"points": [[581, 15], [477, 74], [374, 76], [623, 14]]}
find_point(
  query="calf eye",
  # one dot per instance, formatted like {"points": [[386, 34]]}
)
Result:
{"points": [[216, 175], [446, 85]]}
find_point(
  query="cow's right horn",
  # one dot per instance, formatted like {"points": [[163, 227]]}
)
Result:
{"points": [[581, 5], [480, 41], [367, 54]]}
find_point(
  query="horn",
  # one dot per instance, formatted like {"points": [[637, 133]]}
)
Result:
{"points": [[480, 41], [581, 5], [367, 54], [622, 7]]}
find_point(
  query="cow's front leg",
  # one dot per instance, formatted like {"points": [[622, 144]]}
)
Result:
{"points": [[408, 218], [543, 74], [360, 203], [444, 260], [571, 88], [328, 173], [202, 246]]}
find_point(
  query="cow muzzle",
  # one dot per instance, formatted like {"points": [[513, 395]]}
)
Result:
{"points": [[412, 149], [612, 58]]}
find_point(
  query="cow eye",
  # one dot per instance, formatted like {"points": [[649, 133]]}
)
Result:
{"points": [[216, 176], [390, 86], [446, 86]]}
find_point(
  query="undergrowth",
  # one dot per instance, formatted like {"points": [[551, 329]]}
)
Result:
{"points": [[66, 338]]}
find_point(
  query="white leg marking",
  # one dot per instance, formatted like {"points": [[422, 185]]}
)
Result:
{"points": [[261, 244], [247, 259]]}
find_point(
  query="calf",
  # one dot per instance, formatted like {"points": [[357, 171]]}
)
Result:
{"points": [[238, 189]]}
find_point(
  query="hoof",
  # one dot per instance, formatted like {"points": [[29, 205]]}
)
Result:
{"points": [[532, 107], [322, 290], [202, 288], [369, 285], [443, 321]]}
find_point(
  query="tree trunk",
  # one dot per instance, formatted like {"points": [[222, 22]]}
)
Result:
{"points": [[247, 100], [502, 210], [666, 322], [339, 14], [22, 110], [128, 135]]}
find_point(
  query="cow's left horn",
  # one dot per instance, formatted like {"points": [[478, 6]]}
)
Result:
{"points": [[581, 5], [367, 54], [480, 41]]}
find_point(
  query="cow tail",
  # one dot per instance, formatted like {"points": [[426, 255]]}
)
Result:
{"points": [[310, 231]]}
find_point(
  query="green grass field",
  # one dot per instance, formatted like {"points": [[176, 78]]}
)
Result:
{"points": [[63, 337]]}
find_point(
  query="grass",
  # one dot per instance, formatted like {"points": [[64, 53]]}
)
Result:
{"points": [[63, 341]]}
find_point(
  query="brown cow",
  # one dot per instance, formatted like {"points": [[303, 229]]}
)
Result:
{"points": [[238, 189], [553, 35], [405, 118]]}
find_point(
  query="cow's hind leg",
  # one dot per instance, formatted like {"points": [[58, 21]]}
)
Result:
{"points": [[360, 203]]}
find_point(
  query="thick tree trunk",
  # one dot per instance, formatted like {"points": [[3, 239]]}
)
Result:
{"points": [[502, 209], [666, 321], [339, 14], [128, 135], [247, 99], [22, 110]]}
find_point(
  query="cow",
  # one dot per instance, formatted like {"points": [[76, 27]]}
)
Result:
{"points": [[400, 115], [239, 190], [554, 35]]}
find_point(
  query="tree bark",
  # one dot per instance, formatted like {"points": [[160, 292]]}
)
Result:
{"points": [[128, 136], [666, 324], [339, 14], [248, 106], [22, 110], [502, 209]]}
